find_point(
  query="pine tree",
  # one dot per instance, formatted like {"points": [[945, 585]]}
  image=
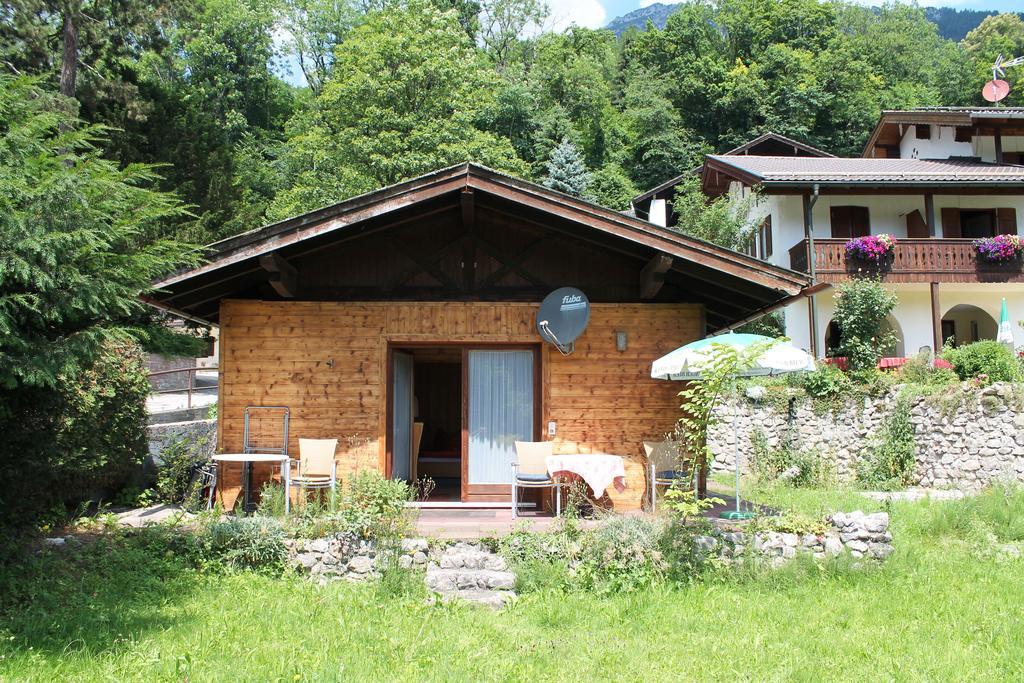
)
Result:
{"points": [[566, 170], [77, 240]]}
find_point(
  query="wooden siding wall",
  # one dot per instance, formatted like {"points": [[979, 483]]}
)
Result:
{"points": [[279, 353]]}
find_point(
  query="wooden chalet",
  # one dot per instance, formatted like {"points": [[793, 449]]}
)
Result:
{"points": [[342, 312]]}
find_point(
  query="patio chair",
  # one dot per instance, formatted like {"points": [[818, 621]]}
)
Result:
{"points": [[530, 471], [317, 468], [207, 478], [665, 466]]}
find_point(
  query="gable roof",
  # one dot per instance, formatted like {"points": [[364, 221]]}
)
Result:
{"points": [[887, 132], [348, 218], [799, 149], [788, 171]]}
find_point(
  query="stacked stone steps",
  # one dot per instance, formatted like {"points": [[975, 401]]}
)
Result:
{"points": [[473, 574]]}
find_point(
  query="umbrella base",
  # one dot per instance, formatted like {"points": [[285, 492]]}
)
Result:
{"points": [[736, 514]]}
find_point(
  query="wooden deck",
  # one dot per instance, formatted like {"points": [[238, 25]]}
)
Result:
{"points": [[913, 260]]}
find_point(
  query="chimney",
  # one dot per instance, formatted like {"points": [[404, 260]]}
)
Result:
{"points": [[658, 213]]}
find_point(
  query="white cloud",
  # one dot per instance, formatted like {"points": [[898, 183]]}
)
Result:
{"points": [[586, 13]]}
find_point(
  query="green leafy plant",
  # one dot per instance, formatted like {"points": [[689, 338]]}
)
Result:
{"points": [[889, 459], [622, 554], [718, 374], [684, 504], [255, 543], [862, 305], [988, 360], [827, 382], [176, 478], [788, 463]]}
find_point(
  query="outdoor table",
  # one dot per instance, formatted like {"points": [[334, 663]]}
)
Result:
{"points": [[598, 470], [247, 460]]}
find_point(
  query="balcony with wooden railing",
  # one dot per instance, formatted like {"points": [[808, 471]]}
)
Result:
{"points": [[912, 260]]}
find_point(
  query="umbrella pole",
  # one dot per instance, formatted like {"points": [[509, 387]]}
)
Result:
{"points": [[736, 514]]}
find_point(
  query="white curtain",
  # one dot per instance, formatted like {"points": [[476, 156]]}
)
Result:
{"points": [[500, 412]]}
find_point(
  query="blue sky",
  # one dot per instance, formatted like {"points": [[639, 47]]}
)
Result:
{"points": [[595, 13]]}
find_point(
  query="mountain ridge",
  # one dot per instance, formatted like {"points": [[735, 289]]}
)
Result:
{"points": [[952, 23]]}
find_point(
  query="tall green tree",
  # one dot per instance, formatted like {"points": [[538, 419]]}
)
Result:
{"points": [[76, 240], [1001, 34], [405, 97]]}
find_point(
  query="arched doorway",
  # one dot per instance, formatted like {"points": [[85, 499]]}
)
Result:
{"points": [[966, 323], [833, 337]]}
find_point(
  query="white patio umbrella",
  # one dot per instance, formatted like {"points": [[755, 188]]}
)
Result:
{"points": [[686, 363]]}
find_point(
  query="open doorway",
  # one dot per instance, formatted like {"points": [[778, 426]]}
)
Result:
{"points": [[455, 413], [426, 438]]}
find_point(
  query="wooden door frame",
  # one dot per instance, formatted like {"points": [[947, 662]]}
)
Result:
{"points": [[483, 492]]}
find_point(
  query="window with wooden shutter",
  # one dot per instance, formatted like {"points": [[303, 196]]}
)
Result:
{"points": [[850, 221], [951, 222], [916, 226], [766, 237], [923, 132], [1006, 221]]}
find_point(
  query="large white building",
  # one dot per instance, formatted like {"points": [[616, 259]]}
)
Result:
{"points": [[935, 179]]}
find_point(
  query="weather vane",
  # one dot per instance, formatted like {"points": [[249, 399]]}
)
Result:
{"points": [[997, 89]]}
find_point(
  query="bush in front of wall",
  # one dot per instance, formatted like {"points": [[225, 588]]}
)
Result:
{"points": [[827, 381], [989, 360], [255, 543], [862, 305], [621, 555], [78, 441], [888, 462], [177, 477]]}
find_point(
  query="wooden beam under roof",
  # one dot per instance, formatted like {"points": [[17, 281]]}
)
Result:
{"points": [[652, 276], [283, 276]]}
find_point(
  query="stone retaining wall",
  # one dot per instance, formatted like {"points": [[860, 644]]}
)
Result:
{"points": [[862, 535], [344, 557], [200, 434], [967, 438]]}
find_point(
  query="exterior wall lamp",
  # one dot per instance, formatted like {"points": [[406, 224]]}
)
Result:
{"points": [[621, 340]]}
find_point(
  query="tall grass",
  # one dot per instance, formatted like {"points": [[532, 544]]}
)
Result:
{"points": [[935, 611]]}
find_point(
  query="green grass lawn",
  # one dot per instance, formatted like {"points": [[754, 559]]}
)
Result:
{"points": [[938, 610]]}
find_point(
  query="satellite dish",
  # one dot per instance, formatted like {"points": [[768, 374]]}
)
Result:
{"points": [[995, 90], [562, 317]]}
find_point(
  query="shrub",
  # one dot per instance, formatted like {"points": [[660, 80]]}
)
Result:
{"points": [[622, 554], [374, 507], [827, 381], [918, 370], [862, 305], [889, 460], [247, 543], [176, 479], [79, 441], [988, 359]]}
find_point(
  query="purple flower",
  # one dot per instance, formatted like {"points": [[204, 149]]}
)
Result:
{"points": [[999, 249], [870, 247]]}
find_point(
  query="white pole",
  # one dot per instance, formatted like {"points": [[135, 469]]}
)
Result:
{"points": [[736, 440]]}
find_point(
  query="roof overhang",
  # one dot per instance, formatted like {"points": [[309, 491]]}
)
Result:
{"points": [[799, 149], [349, 218], [985, 120]]}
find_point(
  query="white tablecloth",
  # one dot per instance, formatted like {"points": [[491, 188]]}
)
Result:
{"points": [[598, 470]]}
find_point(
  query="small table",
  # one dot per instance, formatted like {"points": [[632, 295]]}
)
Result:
{"points": [[598, 470], [247, 460]]}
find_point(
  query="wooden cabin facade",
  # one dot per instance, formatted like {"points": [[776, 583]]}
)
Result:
{"points": [[429, 290]]}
